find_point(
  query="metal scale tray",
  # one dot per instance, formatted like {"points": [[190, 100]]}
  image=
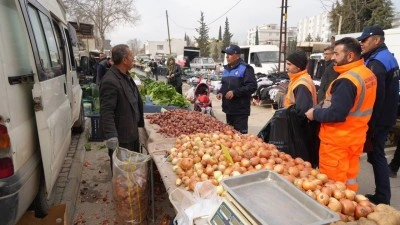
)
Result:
{"points": [[270, 199]]}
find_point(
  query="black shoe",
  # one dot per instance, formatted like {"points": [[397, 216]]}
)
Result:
{"points": [[392, 174], [376, 200]]}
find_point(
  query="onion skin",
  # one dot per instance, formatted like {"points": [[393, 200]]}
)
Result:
{"points": [[334, 205], [360, 211], [323, 198]]}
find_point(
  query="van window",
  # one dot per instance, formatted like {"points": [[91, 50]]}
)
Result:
{"points": [[13, 33], [70, 49], [46, 43], [265, 57]]}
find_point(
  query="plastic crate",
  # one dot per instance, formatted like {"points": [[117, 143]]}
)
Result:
{"points": [[95, 134]]}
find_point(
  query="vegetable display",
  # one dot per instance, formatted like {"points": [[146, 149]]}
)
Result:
{"points": [[163, 94], [199, 157], [178, 121]]}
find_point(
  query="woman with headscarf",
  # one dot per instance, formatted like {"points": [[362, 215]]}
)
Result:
{"points": [[174, 75]]}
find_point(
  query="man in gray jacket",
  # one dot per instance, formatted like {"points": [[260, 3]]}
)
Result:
{"points": [[121, 107]]}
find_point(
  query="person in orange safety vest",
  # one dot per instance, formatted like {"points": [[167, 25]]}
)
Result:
{"points": [[301, 89], [344, 114]]}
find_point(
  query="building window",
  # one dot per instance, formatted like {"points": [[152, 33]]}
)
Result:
{"points": [[160, 47]]}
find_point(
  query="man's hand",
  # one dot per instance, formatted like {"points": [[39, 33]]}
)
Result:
{"points": [[229, 95], [310, 114], [219, 96], [112, 143]]}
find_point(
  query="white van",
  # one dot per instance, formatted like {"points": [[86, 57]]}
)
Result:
{"points": [[40, 102], [263, 58]]}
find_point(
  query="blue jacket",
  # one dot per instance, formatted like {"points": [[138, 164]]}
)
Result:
{"points": [[386, 69], [241, 80]]}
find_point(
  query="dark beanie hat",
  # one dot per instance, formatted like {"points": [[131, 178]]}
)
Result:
{"points": [[298, 59]]}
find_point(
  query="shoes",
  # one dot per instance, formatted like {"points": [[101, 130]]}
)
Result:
{"points": [[376, 200], [392, 174]]}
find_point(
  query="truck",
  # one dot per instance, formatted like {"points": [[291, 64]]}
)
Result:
{"points": [[189, 53], [41, 103], [263, 58]]}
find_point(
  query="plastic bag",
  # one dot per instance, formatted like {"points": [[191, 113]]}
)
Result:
{"points": [[201, 203], [293, 134], [130, 173]]}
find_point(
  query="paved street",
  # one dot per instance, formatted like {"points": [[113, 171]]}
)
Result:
{"points": [[85, 181]]}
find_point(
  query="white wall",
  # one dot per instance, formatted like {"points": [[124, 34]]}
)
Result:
{"points": [[162, 47], [315, 26]]}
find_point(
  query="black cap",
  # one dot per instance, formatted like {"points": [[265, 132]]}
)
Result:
{"points": [[369, 31], [231, 49], [298, 59]]}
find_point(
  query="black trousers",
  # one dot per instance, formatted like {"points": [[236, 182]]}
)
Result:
{"points": [[179, 89], [133, 146], [239, 122]]}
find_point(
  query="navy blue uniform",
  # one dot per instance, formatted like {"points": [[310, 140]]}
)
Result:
{"points": [[241, 80], [386, 69]]}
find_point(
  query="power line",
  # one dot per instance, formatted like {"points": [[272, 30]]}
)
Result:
{"points": [[224, 13], [323, 5], [190, 28]]}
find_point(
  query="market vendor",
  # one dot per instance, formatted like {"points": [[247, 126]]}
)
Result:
{"points": [[301, 90], [345, 113]]}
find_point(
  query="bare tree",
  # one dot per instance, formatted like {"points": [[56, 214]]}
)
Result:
{"points": [[104, 14], [135, 45]]}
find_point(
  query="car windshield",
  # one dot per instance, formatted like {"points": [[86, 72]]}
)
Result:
{"points": [[208, 60], [267, 56]]}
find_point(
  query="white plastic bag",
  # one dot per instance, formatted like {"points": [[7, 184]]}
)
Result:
{"points": [[201, 203]]}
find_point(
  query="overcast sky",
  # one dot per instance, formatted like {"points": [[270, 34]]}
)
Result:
{"points": [[184, 16]]}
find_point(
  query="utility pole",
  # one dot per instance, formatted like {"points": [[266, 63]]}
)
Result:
{"points": [[283, 35], [169, 39]]}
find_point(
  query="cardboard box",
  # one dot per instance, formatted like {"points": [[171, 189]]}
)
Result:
{"points": [[57, 216]]}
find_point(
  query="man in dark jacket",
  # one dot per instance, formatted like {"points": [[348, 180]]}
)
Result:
{"points": [[121, 107], [386, 69], [102, 68], [238, 83], [329, 74]]}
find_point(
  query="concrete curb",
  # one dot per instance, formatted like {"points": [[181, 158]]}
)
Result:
{"points": [[74, 178]]}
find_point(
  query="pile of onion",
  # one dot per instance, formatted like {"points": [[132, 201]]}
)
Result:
{"points": [[198, 157], [176, 122]]}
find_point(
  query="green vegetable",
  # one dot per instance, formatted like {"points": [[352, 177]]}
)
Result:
{"points": [[163, 94]]}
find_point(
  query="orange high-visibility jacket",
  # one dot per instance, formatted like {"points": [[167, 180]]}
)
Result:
{"points": [[297, 79], [353, 130]]}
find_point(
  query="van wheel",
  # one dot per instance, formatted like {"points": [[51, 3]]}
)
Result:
{"points": [[40, 204], [79, 125]]}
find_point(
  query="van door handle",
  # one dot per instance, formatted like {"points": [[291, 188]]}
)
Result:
{"points": [[37, 104], [65, 88]]}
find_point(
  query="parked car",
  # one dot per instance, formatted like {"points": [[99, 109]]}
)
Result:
{"points": [[203, 63], [41, 101]]}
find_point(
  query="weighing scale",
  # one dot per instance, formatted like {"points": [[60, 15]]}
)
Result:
{"points": [[230, 212]]}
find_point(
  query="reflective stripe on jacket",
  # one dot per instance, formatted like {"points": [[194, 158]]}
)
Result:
{"points": [[353, 130], [297, 79]]}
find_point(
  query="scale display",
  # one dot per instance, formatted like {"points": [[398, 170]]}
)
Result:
{"points": [[226, 215]]}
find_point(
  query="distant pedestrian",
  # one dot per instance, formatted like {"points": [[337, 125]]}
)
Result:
{"points": [[102, 68], [174, 75], [329, 74], [238, 83], [153, 66], [386, 69], [121, 107]]}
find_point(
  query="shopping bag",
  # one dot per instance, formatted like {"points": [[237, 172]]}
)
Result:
{"points": [[130, 186]]}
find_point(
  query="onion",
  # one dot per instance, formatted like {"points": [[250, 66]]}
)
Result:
{"points": [[360, 211], [293, 171], [322, 198], [334, 205], [338, 194], [350, 194], [327, 190], [309, 185], [255, 160], [360, 197], [347, 207], [245, 162], [323, 177], [278, 168]]}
